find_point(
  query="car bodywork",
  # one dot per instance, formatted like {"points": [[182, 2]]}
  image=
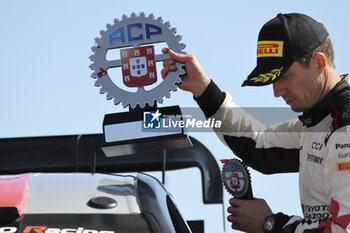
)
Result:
{"points": [[65, 184]]}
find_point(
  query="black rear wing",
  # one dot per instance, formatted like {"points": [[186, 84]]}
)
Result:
{"points": [[82, 153]]}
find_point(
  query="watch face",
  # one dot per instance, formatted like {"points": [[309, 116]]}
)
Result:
{"points": [[269, 223]]}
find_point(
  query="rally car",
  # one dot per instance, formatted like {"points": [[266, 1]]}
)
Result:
{"points": [[65, 184]]}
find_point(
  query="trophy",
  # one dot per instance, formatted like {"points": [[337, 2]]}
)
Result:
{"points": [[139, 129], [236, 179]]}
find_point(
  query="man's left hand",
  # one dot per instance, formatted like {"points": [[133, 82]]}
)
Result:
{"points": [[248, 215]]}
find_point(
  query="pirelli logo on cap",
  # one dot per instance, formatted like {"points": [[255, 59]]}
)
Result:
{"points": [[270, 49], [343, 166]]}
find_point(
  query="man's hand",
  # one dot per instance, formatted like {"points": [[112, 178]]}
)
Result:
{"points": [[248, 215], [194, 80]]}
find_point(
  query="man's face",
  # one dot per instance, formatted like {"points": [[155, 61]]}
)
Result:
{"points": [[300, 87]]}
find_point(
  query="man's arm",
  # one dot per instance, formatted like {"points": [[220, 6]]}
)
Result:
{"points": [[195, 80], [337, 179], [249, 215], [269, 150], [247, 138]]}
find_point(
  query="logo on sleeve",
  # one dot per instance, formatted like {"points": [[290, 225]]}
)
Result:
{"points": [[343, 166], [342, 146], [316, 146], [314, 159], [343, 156]]}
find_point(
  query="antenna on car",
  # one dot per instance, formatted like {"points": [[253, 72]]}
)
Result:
{"points": [[93, 163], [163, 166], [77, 156]]}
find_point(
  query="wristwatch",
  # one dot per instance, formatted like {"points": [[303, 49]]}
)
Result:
{"points": [[269, 224]]}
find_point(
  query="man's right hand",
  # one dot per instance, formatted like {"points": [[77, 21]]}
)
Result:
{"points": [[194, 79]]}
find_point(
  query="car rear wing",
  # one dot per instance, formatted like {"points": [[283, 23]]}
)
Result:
{"points": [[82, 153]]}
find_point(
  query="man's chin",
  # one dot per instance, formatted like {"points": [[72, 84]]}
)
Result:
{"points": [[298, 109]]}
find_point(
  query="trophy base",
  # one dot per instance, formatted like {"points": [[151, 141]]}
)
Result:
{"points": [[143, 131]]}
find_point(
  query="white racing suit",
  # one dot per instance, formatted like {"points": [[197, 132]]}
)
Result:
{"points": [[317, 146]]}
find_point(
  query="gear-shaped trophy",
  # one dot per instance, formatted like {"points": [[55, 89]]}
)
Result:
{"points": [[139, 130], [138, 61], [236, 179]]}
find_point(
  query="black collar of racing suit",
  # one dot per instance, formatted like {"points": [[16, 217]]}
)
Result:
{"points": [[334, 99]]}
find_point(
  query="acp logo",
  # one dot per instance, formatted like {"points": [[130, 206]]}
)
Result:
{"points": [[151, 120], [134, 32]]}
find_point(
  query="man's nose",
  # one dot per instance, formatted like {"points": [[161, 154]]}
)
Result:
{"points": [[278, 89]]}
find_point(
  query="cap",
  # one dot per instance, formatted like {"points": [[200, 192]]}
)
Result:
{"points": [[281, 41]]}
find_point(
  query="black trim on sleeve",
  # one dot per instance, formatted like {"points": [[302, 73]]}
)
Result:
{"points": [[265, 160], [211, 99], [280, 221]]}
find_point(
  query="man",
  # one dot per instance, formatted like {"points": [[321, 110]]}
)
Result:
{"points": [[295, 55]]}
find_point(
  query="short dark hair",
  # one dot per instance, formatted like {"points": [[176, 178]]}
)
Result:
{"points": [[326, 47]]}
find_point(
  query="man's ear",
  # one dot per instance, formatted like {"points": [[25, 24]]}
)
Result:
{"points": [[321, 61]]}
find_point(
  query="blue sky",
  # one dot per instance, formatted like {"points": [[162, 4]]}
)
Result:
{"points": [[47, 90]]}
